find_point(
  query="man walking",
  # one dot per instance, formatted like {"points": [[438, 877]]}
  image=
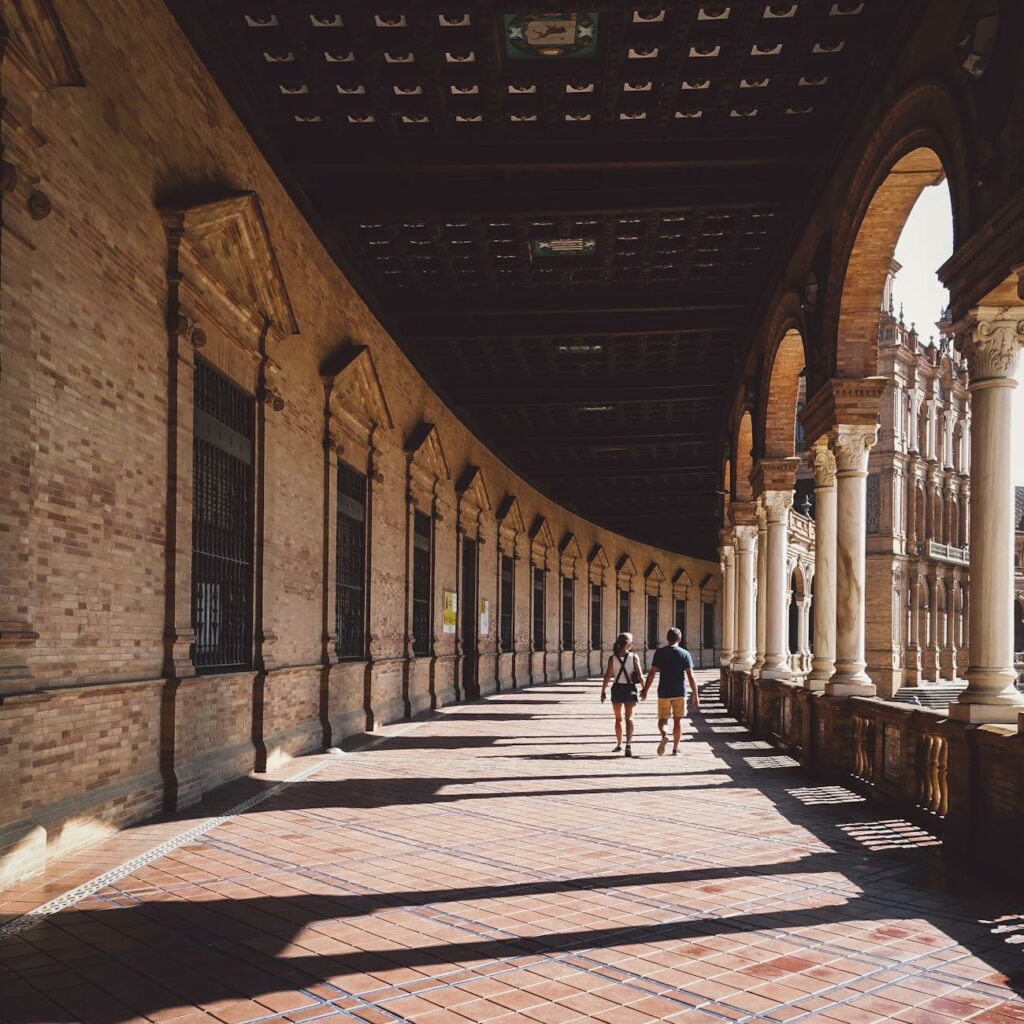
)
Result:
{"points": [[673, 665]]}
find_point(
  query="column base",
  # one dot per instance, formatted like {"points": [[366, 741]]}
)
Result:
{"points": [[850, 680], [743, 664], [988, 706], [987, 714]]}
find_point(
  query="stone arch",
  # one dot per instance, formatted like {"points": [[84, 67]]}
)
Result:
{"points": [[784, 364], [743, 457], [920, 141]]}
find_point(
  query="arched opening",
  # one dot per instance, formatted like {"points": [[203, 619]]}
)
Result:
{"points": [[870, 261], [919, 520], [743, 458], [1018, 628], [796, 597], [780, 406]]}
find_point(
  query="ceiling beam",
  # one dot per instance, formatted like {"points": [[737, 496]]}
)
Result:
{"points": [[620, 472], [607, 436], [527, 392]]}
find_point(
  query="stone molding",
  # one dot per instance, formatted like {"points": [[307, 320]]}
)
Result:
{"points": [[746, 539], [855, 402], [770, 475], [777, 505], [991, 339]]}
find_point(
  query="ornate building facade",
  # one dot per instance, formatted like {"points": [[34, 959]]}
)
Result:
{"points": [[918, 501]]}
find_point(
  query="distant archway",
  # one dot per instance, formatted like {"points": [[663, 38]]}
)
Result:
{"points": [[780, 403], [743, 458]]}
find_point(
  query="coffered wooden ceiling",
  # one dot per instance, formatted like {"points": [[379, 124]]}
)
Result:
{"points": [[567, 219]]}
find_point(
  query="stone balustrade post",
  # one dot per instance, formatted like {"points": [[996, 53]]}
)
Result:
{"points": [[991, 338]]}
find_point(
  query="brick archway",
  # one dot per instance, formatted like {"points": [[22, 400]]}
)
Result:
{"points": [[743, 457], [782, 385]]}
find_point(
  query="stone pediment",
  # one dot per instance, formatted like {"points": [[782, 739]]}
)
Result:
{"points": [[626, 566], [540, 533], [228, 267], [709, 583], [472, 490], [597, 558], [510, 515], [681, 582], [654, 573], [356, 386], [425, 450], [37, 46], [570, 548]]}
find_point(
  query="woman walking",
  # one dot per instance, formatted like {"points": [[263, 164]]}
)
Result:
{"points": [[624, 668]]}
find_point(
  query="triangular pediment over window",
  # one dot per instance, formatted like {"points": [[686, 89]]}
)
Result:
{"points": [[355, 385], [37, 47], [709, 583], [598, 559], [228, 266], [472, 489], [570, 547], [654, 573], [425, 449], [510, 515], [626, 566], [540, 533]]}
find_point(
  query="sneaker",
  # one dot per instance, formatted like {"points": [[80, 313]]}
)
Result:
{"points": [[662, 746], [629, 750], [617, 748]]}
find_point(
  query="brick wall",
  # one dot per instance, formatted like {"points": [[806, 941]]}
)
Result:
{"points": [[95, 730]]}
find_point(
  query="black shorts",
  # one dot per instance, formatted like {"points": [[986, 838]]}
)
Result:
{"points": [[624, 693]]}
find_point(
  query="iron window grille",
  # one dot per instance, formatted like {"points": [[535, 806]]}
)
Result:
{"points": [[568, 614], [507, 602], [709, 626], [652, 621], [350, 567], [538, 609], [222, 523], [623, 611], [422, 559], [681, 618], [595, 617]]}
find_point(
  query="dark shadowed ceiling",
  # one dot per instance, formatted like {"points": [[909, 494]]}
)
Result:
{"points": [[568, 220]]}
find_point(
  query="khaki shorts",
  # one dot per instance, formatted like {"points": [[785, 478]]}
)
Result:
{"points": [[671, 707]]}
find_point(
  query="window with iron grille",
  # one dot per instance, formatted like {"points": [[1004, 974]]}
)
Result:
{"points": [[595, 617], [507, 602], [623, 611], [222, 508], [422, 558], [652, 621], [568, 614], [681, 618], [709, 626], [538, 609], [350, 567]]}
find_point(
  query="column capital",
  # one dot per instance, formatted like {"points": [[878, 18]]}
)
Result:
{"points": [[824, 462], [776, 505], [850, 444], [746, 538], [991, 338]]}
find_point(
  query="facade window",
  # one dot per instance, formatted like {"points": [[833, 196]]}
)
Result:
{"points": [[708, 640], [222, 523], [422, 563], [508, 594], [538, 609], [652, 621], [350, 567], [680, 617], [595, 617], [623, 611], [568, 614]]}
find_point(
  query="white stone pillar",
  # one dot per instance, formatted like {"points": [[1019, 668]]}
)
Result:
{"points": [[824, 567], [802, 633], [728, 599], [776, 659], [851, 445], [746, 541], [949, 418], [991, 338], [762, 586]]}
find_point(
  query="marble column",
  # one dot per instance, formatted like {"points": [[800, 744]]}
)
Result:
{"points": [[851, 445], [824, 567], [762, 587], [728, 598], [991, 338], [746, 541], [802, 634], [776, 659]]}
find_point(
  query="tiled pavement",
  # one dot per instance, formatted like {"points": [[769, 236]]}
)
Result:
{"points": [[498, 863]]}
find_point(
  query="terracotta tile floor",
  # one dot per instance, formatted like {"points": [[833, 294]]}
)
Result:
{"points": [[498, 863]]}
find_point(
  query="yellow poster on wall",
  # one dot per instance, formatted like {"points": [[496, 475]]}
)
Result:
{"points": [[449, 606]]}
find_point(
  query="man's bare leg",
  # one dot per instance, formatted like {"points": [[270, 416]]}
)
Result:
{"points": [[677, 733], [662, 728]]}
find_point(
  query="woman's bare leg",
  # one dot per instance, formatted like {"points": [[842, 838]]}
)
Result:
{"points": [[618, 723], [629, 723]]}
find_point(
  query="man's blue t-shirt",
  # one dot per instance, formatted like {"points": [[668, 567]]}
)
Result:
{"points": [[672, 663]]}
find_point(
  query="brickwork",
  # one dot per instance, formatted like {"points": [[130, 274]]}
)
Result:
{"points": [[95, 482]]}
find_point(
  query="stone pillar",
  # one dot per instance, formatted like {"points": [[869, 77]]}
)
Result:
{"points": [[776, 660], [912, 672], [746, 540], [851, 445], [803, 633], [991, 338], [727, 549], [824, 567], [762, 586]]}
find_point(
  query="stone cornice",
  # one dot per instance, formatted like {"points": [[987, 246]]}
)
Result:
{"points": [[774, 475], [847, 402]]}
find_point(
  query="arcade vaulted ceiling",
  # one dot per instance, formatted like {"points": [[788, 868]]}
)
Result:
{"points": [[567, 218]]}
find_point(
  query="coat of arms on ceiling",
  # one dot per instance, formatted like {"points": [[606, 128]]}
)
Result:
{"points": [[547, 36]]}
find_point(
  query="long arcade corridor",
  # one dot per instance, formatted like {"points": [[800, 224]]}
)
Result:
{"points": [[497, 862]]}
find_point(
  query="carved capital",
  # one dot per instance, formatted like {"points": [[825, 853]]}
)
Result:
{"points": [[746, 539], [824, 465], [991, 338], [850, 446], [777, 505]]}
